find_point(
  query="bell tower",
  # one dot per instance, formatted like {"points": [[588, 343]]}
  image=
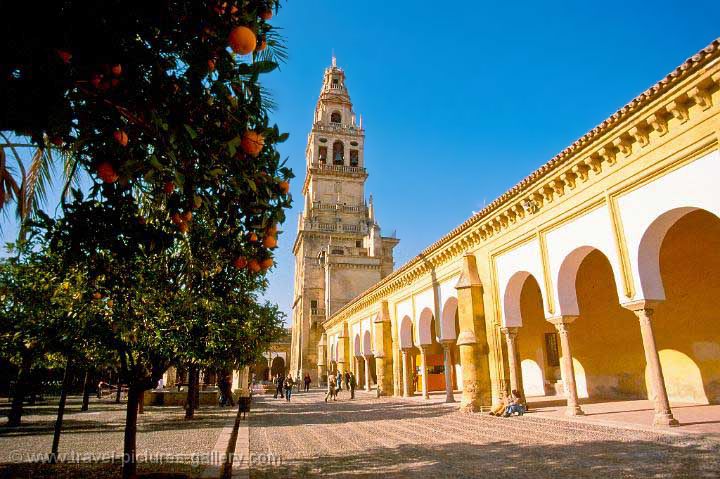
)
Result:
{"points": [[339, 250]]}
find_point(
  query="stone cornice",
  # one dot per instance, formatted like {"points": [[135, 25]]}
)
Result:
{"points": [[687, 90]]}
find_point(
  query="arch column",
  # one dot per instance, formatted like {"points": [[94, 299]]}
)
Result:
{"points": [[568, 370], [447, 365], [342, 351], [423, 366], [322, 358], [510, 335], [472, 340], [367, 372], [663, 414], [405, 379], [383, 351]]}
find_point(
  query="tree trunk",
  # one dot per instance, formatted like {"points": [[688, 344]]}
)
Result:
{"points": [[196, 402], [141, 402], [86, 391], [20, 389], [119, 390], [60, 413], [190, 401], [130, 443]]}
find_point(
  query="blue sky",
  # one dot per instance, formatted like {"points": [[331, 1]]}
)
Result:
{"points": [[461, 101]]}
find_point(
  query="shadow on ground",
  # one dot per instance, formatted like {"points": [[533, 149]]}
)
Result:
{"points": [[605, 459]]}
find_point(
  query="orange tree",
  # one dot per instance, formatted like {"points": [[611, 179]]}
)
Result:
{"points": [[161, 103]]}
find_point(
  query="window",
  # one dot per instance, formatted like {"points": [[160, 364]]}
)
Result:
{"points": [[334, 82], [335, 117], [313, 304], [358, 243], [338, 153], [322, 154], [354, 161], [338, 251], [551, 348]]}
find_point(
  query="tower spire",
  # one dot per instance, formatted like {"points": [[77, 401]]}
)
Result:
{"points": [[334, 60]]}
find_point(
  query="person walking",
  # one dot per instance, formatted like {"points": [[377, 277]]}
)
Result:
{"points": [[307, 382], [338, 385], [331, 394], [347, 380], [279, 381], [288, 387], [352, 385]]}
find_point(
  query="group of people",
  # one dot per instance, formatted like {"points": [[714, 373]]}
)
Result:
{"points": [[512, 404], [335, 382], [284, 385]]}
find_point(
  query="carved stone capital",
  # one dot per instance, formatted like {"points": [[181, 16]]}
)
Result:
{"points": [[569, 179], [593, 163], [642, 304], [640, 133], [561, 322], [510, 332]]}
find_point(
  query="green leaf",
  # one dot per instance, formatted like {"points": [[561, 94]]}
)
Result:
{"points": [[191, 132]]}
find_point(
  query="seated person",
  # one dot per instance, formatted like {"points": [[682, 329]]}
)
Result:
{"points": [[499, 410], [515, 405]]}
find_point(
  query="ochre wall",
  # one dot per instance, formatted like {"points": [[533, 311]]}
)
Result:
{"points": [[605, 338], [687, 323]]}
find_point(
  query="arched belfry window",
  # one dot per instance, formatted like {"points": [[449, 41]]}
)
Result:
{"points": [[338, 153], [335, 117]]}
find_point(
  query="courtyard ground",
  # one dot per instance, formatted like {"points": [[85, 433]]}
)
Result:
{"points": [[393, 437], [90, 440]]}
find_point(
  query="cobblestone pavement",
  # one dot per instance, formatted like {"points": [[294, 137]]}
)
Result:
{"points": [[391, 437], [165, 440]]}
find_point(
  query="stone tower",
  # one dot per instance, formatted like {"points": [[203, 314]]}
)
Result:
{"points": [[339, 251]]}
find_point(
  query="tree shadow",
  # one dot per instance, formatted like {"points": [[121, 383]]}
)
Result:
{"points": [[504, 459]]}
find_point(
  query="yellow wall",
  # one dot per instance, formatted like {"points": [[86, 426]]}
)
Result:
{"points": [[687, 323], [605, 339]]}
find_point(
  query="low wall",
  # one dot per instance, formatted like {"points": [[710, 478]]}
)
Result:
{"points": [[177, 398]]}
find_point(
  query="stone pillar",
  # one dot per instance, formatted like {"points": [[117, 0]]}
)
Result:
{"points": [[383, 351], [472, 340], [561, 324], [170, 377], [322, 359], [423, 366], [343, 351], [447, 364], [405, 378], [367, 373], [510, 335], [663, 414]]}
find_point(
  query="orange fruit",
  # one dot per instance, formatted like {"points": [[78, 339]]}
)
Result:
{"points": [[285, 187], [271, 230], [266, 263], [117, 70], [106, 172], [184, 227], [240, 262], [97, 295], [266, 15], [65, 56], [187, 216], [211, 64], [169, 187], [121, 137], [242, 40], [269, 242], [110, 304], [176, 219], [252, 237], [252, 143], [253, 266]]}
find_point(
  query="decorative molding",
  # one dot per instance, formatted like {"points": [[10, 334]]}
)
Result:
{"points": [[620, 245]]}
